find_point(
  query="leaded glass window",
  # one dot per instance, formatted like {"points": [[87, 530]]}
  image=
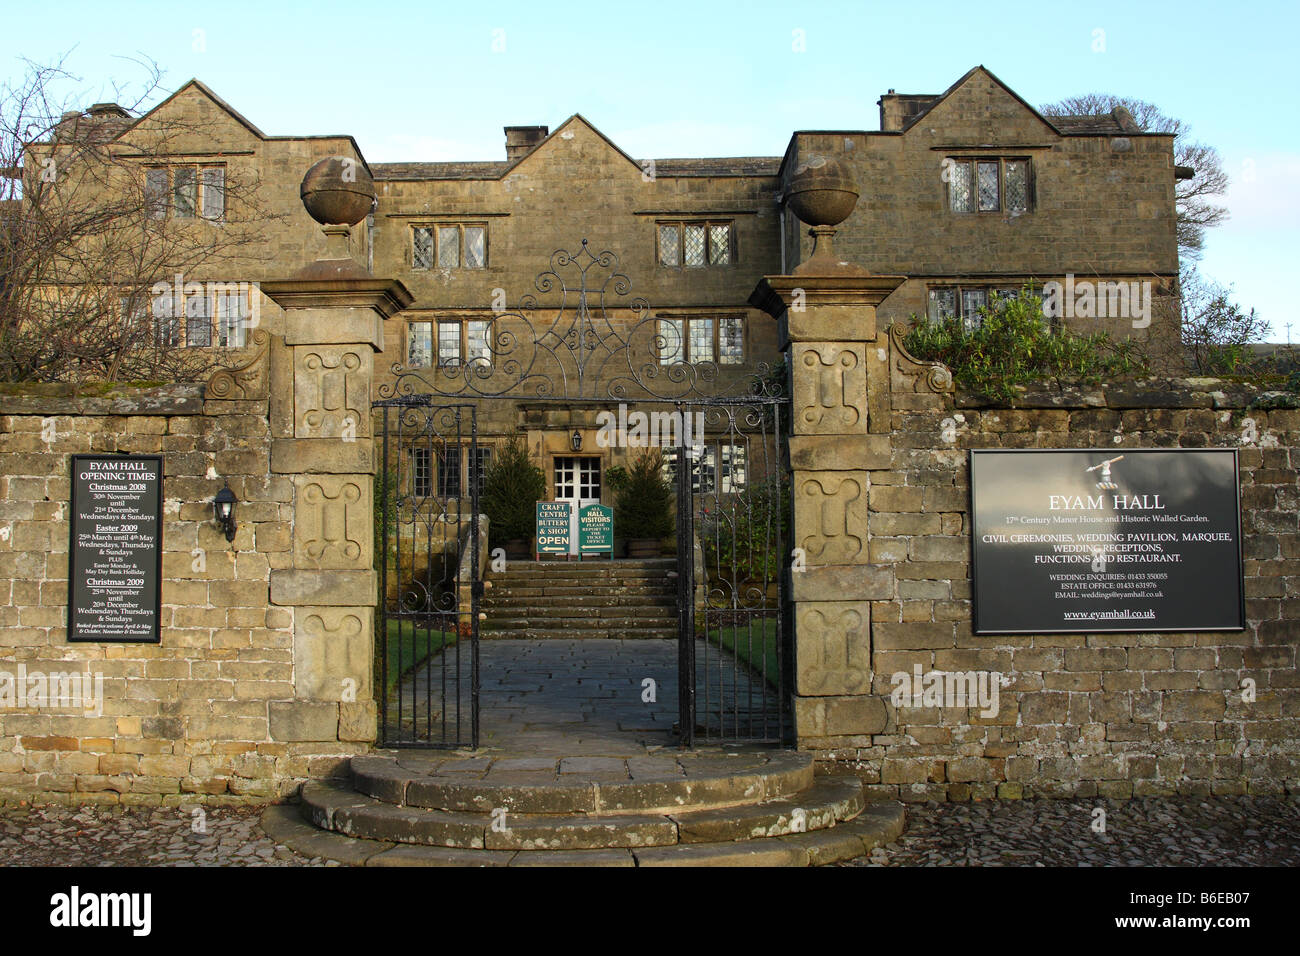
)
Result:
{"points": [[671, 341], [155, 192], [475, 247], [943, 304], [448, 247], [731, 340], [695, 244], [960, 192], [987, 176], [972, 300], [198, 322], [449, 472], [732, 458], [232, 309], [720, 245], [693, 247], [419, 353], [670, 245], [478, 341], [448, 343], [701, 340], [1017, 185], [422, 250], [421, 487], [213, 197], [185, 192]]}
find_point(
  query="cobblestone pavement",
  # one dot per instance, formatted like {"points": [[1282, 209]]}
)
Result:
{"points": [[1224, 831], [1242, 831], [108, 836]]}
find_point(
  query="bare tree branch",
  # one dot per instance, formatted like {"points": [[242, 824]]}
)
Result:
{"points": [[1196, 211]]}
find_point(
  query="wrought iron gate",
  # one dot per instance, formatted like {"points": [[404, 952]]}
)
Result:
{"points": [[586, 339], [733, 518], [427, 552]]}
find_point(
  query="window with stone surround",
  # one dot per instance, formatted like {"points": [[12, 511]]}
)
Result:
{"points": [[998, 185], [185, 192], [449, 245], [459, 341], [701, 338], [965, 301], [696, 244]]}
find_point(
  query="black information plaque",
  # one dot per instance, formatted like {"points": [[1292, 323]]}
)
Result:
{"points": [[115, 553], [1105, 540]]}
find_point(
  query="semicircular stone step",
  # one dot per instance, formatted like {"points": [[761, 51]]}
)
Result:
{"points": [[878, 824], [669, 783], [820, 807]]}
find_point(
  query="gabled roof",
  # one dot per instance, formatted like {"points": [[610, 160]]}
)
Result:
{"points": [[712, 166], [965, 78], [206, 91], [239, 118]]}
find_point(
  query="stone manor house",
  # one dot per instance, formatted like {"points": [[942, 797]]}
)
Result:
{"points": [[967, 194]]}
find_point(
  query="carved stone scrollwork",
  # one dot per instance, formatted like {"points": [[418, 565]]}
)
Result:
{"points": [[912, 374], [248, 382]]}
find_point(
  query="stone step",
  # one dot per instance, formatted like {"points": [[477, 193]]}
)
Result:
{"points": [[593, 586], [336, 807], [633, 599], [581, 619], [576, 593], [606, 785], [876, 825], [560, 634]]}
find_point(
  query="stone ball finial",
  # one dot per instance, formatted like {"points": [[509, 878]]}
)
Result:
{"points": [[338, 191], [822, 191]]}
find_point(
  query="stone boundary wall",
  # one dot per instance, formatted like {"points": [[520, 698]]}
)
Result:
{"points": [[211, 714], [1112, 715]]}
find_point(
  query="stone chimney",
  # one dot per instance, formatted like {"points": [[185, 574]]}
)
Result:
{"points": [[899, 109], [522, 140]]}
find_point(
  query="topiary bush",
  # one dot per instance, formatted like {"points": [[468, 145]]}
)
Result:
{"points": [[644, 506], [512, 487]]}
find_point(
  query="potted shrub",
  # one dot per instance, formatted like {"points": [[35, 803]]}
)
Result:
{"points": [[616, 480], [512, 487], [643, 509]]}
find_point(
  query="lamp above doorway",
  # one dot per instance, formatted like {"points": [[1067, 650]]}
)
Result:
{"points": [[576, 439]]}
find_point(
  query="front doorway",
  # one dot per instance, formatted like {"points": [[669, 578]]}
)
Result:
{"points": [[577, 481]]}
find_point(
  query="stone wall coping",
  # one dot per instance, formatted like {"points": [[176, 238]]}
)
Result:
{"points": [[61, 399], [1146, 393]]}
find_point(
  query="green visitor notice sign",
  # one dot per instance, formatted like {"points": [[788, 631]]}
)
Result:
{"points": [[595, 529]]}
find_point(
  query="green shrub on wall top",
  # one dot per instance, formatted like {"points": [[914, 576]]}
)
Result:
{"points": [[1013, 344], [512, 487]]}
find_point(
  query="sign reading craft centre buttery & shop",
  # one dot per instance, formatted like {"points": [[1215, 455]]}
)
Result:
{"points": [[115, 548], [1106, 540], [553, 527]]}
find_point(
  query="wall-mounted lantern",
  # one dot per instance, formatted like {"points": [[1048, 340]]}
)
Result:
{"points": [[223, 506], [577, 441]]}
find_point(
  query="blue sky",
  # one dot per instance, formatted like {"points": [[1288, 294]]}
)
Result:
{"points": [[438, 80]]}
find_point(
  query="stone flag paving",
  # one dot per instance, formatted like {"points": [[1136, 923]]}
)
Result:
{"points": [[574, 697]]}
